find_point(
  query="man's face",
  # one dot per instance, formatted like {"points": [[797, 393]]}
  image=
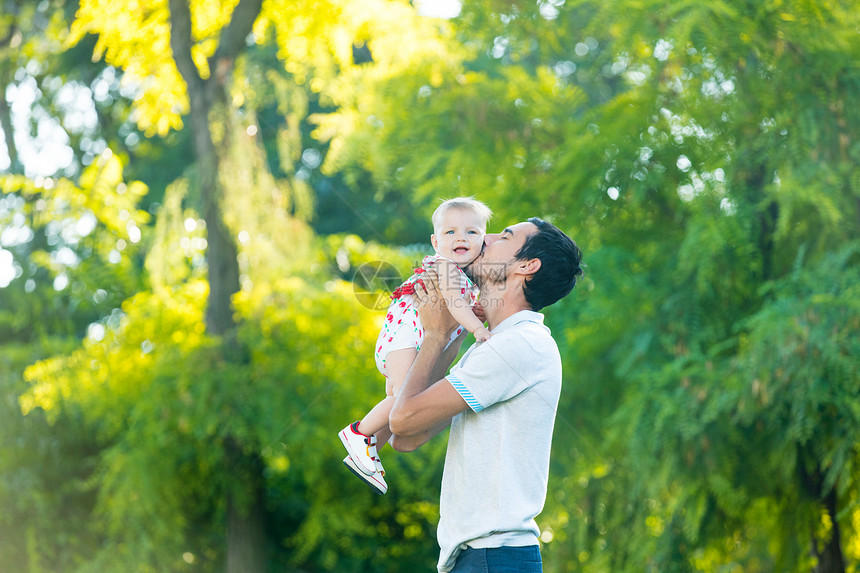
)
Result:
{"points": [[495, 262]]}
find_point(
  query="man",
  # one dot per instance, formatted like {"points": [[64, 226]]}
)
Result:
{"points": [[500, 400]]}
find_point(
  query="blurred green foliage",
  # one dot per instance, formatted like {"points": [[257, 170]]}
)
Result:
{"points": [[704, 155]]}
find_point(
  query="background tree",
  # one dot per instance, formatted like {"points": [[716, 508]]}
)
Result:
{"points": [[702, 155], [225, 35], [68, 259], [89, 262]]}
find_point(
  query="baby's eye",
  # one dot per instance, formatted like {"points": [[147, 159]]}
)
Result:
{"points": [[473, 232], [449, 232]]}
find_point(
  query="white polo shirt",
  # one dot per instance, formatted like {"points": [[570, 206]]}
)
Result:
{"points": [[496, 468]]}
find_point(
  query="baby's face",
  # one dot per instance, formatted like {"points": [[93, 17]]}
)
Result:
{"points": [[459, 236]]}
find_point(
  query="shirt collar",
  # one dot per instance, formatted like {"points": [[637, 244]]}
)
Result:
{"points": [[518, 317]]}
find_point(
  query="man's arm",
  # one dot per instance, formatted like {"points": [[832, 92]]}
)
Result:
{"points": [[426, 401], [410, 443]]}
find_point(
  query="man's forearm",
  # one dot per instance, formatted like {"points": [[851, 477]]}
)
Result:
{"points": [[448, 356], [421, 433], [412, 443], [413, 413], [424, 367]]}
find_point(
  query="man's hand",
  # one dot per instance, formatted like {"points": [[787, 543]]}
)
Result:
{"points": [[431, 307]]}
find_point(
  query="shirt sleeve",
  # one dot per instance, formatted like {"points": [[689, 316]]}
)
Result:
{"points": [[494, 371]]}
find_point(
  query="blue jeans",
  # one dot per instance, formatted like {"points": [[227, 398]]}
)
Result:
{"points": [[499, 560]]}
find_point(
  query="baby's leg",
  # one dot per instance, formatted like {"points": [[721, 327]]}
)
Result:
{"points": [[397, 365]]}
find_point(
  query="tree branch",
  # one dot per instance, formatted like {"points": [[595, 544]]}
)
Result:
{"points": [[8, 129], [232, 39], [180, 41]]}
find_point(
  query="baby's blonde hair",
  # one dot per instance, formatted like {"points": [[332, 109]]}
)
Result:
{"points": [[466, 203]]}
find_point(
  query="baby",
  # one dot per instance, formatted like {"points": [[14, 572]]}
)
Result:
{"points": [[458, 238]]}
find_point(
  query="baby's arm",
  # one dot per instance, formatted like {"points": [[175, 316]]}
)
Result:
{"points": [[463, 314], [449, 286]]}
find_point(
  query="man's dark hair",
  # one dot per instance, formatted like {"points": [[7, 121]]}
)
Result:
{"points": [[559, 257]]}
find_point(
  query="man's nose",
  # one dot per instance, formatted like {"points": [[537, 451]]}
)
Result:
{"points": [[490, 238]]}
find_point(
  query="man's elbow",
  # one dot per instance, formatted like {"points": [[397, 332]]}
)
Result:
{"points": [[401, 444], [398, 422]]}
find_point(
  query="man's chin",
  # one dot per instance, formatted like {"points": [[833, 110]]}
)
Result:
{"points": [[467, 270]]}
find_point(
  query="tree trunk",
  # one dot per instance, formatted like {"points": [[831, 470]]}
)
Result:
{"points": [[7, 71], [8, 131], [246, 533], [827, 552], [830, 559]]}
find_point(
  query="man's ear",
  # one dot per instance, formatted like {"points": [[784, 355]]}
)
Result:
{"points": [[528, 267]]}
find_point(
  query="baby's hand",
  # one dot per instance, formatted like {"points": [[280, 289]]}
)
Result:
{"points": [[482, 334]]}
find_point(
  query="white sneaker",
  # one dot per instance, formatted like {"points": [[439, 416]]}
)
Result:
{"points": [[361, 448], [379, 469], [371, 451], [374, 480]]}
